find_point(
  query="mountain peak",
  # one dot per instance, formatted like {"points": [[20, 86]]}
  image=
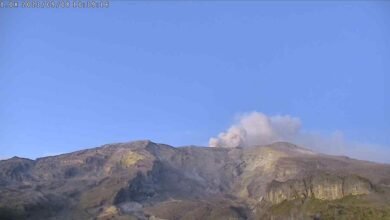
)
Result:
{"points": [[140, 179]]}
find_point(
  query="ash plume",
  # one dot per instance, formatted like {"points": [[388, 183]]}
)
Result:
{"points": [[256, 128]]}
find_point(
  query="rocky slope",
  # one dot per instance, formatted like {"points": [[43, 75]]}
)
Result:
{"points": [[145, 180]]}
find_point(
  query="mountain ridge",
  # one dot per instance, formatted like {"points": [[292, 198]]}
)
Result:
{"points": [[147, 180]]}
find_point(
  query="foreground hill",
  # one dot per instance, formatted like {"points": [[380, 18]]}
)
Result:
{"points": [[145, 180]]}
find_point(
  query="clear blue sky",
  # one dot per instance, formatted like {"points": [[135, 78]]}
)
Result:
{"points": [[178, 72]]}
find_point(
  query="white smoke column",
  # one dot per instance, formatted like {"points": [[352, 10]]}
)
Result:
{"points": [[256, 129]]}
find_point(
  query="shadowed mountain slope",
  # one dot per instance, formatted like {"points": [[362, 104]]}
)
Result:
{"points": [[145, 180]]}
